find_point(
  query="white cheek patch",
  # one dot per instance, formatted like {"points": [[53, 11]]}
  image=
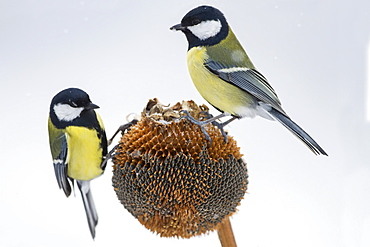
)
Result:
{"points": [[206, 29], [66, 112]]}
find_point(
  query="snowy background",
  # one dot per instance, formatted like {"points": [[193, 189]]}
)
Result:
{"points": [[315, 53]]}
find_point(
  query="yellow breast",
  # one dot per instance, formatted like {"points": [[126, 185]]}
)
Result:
{"points": [[216, 91], [84, 153]]}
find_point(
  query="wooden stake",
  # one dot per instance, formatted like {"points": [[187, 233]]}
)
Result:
{"points": [[225, 234]]}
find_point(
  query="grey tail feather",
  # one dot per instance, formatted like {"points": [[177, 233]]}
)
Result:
{"points": [[91, 214], [297, 131]]}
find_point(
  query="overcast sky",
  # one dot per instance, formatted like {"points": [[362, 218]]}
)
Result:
{"points": [[315, 53]]}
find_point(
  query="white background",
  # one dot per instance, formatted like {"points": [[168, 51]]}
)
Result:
{"points": [[314, 53]]}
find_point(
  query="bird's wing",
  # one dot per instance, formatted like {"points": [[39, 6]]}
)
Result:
{"points": [[249, 80], [59, 149], [103, 140]]}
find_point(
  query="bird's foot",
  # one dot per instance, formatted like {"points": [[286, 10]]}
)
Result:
{"points": [[219, 125], [108, 157], [201, 124], [209, 119], [122, 128]]}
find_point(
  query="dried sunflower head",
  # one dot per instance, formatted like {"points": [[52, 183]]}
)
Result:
{"points": [[168, 177]]}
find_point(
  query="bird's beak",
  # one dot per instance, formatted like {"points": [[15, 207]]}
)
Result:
{"points": [[91, 106], [178, 27]]}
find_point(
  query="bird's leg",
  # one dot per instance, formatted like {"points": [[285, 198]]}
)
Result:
{"points": [[108, 157], [219, 125], [197, 122], [201, 124], [205, 115], [122, 128], [222, 125]]}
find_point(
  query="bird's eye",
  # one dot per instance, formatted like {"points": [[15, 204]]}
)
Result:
{"points": [[195, 21]]}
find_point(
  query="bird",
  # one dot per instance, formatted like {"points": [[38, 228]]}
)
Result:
{"points": [[225, 76], [78, 145]]}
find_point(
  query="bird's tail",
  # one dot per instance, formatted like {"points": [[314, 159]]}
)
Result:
{"points": [[297, 131], [91, 214]]}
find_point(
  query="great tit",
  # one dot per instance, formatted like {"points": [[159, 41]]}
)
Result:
{"points": [[78, 145], [225, 76]]}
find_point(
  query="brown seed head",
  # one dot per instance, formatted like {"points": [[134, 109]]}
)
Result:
{"points": [[166, 176]]}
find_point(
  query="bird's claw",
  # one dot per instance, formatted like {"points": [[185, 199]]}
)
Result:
{"points": [[200, 124], [206, 115], [220, 126], [122, 128], [108, 157]]}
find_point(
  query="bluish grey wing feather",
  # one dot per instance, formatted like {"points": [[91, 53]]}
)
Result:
{"points": [[249, 80], [61, 168], [297, 131], [91, 214], [103, 140], [104, 145]]}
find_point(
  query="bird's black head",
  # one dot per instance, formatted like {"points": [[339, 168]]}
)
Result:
{"points": [[69, 104], [203, 26]]}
